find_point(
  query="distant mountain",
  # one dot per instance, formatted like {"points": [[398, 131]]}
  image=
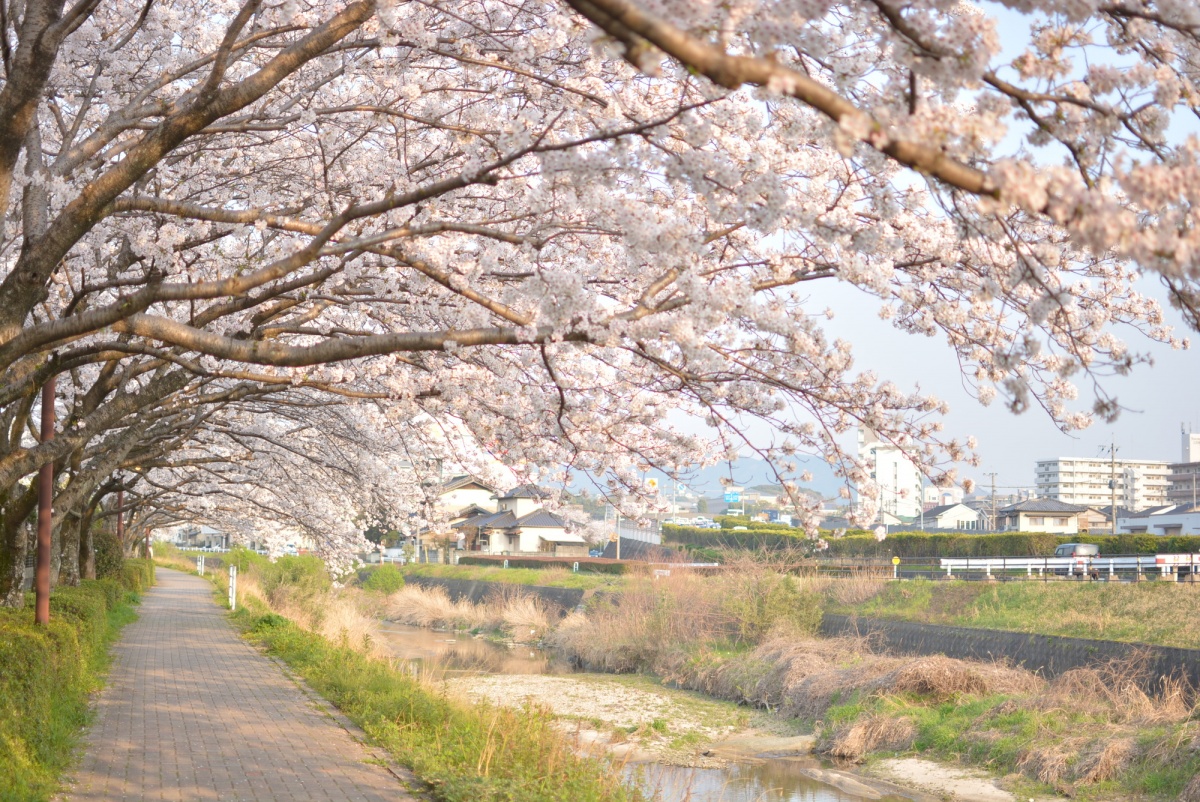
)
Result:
{"points": [[750, 473]]}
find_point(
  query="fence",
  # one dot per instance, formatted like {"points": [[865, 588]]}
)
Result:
{"points": [[1108, 568]]}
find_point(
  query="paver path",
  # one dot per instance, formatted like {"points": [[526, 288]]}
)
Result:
{"points": [[192, 712]]}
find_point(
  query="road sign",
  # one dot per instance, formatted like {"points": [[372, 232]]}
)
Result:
{"points": [[652, 484], [733, 496], [895, 561]]}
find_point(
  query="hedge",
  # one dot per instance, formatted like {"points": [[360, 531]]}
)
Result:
{"points": [[138, 575], [757, 539], [929, 545], [593, 564], [46, 675]]}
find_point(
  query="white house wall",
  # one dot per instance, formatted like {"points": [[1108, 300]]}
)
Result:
{"points": [[457, 499], [1180, 524]]}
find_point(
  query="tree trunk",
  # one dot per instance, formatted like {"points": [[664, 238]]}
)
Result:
{"points": [[13, 552], [69, 535], [55, 556], [87, 544], [14, 544]]}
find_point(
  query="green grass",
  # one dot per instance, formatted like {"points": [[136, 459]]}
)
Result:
{"points": [[1160, 613], [47, 675], [465, 753], [544, 577]]}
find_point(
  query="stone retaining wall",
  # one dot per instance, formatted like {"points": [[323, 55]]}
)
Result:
{"points": [[1047, 654]]}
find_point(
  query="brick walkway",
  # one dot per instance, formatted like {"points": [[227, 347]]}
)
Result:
{"points": [[192, 712]]}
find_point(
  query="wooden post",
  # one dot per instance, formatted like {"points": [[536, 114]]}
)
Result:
{"points": [[41, 581], [121, 518]]}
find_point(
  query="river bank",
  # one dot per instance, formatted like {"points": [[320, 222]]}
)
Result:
{"points": [[1090, 733], [674, 737]]}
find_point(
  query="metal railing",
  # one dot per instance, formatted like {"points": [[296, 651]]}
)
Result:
{"points": [[1110, 568]]}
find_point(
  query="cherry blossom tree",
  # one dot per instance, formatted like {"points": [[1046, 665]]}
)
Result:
{"points": [[554, 227]]}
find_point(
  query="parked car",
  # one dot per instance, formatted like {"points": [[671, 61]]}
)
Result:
{"points": [[1082, 554], [393, 556], [595, 552]]}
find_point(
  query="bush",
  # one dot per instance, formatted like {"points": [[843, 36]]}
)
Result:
{"points": [[110, 557], [303, 576], [46, 675], [762, 601], [138, 575], [385, 579], [243, 558]]}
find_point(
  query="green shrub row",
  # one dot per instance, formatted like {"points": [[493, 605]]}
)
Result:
{"points": [[928, 545], [752, 539], [585, 564], [138, 575], [47, 673]]}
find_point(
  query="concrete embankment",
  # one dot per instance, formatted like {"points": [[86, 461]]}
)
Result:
{"points": [[562, 599], [1048, 655]]}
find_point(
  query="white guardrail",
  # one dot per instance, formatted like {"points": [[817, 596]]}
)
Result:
{"points": [[1166, 564]]}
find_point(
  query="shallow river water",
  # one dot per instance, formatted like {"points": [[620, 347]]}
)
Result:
{"points": [[776, 780]]}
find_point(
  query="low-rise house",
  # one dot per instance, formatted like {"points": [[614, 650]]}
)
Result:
{"points": [[462, 492], [1098, 519], [958, 517], [1170, 519], [1040, 515], [520, 526]]}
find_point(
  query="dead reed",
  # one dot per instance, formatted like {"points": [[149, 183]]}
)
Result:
{"points": [[870, 734]]}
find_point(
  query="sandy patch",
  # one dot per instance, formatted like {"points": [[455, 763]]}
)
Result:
{"points": [[614, 703], [637, 724], [953, 782]]}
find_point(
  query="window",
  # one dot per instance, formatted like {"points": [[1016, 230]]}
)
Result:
{"points": [[1037, 521], [1060, 521]]}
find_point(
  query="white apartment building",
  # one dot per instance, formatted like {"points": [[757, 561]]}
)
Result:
{"points": [[898, 478], [1184, 478], [1085, 480]]}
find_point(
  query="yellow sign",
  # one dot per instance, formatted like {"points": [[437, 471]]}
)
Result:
{"points": [[612, 538], [895, 561]]}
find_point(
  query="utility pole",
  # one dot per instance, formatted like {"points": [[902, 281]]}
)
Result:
{"points": [[45, 518], [995, 527], [618, 514], [1112, 484]]}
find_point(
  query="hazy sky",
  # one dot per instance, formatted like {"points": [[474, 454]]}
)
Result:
{"points": [[1157, 398]]}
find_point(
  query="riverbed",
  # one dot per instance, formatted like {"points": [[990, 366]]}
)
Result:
{"points": [[675, 744]]}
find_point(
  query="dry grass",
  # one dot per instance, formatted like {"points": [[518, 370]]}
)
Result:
{"points": [[872, 733], [526, 618], [432, 607], [1191, 793], [1107, 760], [344, 622], [1115, 689], [942, 678], [858, 588], [1049, 763]]}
